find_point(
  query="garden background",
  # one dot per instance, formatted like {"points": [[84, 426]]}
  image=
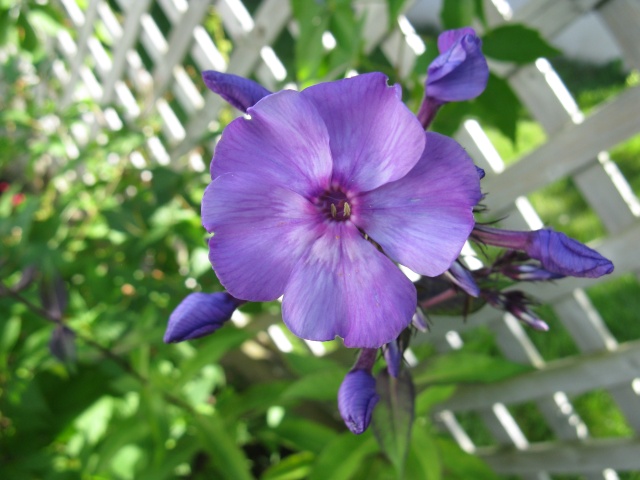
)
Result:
{"points": [[107, 131]]}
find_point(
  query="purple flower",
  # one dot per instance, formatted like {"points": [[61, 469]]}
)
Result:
{"points": [[240, 92], [200, 314], [357, 395], [462, 277], [459, 73], [556, 252], [318, 193]]}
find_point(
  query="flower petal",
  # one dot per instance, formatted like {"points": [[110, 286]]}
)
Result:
{"points": [[448, 38], [261, 231], [285, 142], [423, 219], [240, 92], [200, 314], [356, 399], [459, 73], [344, 286], [375, 138]]}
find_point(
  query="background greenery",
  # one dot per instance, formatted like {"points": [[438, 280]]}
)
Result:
{"points": [[95, 253]]}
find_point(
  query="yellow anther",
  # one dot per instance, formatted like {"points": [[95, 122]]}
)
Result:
{"points": [[347, 210], [334, 210]]}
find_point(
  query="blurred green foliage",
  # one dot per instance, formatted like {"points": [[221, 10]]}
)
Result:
{"points": [[96, 250]]}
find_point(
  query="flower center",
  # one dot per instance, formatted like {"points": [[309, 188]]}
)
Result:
{"points": [[335, 205]]}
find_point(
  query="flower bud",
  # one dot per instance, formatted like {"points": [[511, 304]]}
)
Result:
{"points": [[459, 73], [356, 399], [200, 314], [240, 92], [556, 252]]}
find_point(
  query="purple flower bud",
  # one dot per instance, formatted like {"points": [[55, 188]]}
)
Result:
{"points": [[566, 256], [200, 314], [517, 304], [556, 252], [462, 278], [481, 172], [356, 399], [240, 92], [528, 272], [419, 321], [393, 357], [460, 72], [62, 344]]}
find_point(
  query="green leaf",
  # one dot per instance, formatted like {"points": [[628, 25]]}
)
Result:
{"points": [[293, 467], [253, 401], [395, 8], [9, 334], [317, 386], [459, 465], [424, 459], [498, 92], [393, 416], [516, 43], [463, 367], [304, 434], [211, 349], [312, 23], [343, 457], [457, 13], [6, 26], [228, 458], [432, 396], [27, 35], [346, 29], [43, 21]]}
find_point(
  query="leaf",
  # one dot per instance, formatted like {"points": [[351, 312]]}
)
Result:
{"points": [[43, 21], [457, 13], [304, 434], [463, 367], [9, 334], [432, 396], [6, 26], [498, 92], [346, 29], [395, 8], [460, 305], [460, 465], [424, 458], [26, 33], [211, 349], [312, 23], [516, 43], [317, 386], [294, 467], [343, 456], [393, 416], [228, 458]]}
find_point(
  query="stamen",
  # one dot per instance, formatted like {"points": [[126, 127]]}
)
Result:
{"points": [[334, 210], [347, 210]]}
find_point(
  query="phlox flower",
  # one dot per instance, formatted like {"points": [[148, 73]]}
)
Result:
{"points": [[316, 195]]}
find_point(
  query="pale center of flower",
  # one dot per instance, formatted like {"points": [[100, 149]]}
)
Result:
{"points": [[335, 205]]}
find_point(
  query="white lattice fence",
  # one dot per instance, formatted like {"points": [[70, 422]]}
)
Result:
{"points": [[147, 71]]}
